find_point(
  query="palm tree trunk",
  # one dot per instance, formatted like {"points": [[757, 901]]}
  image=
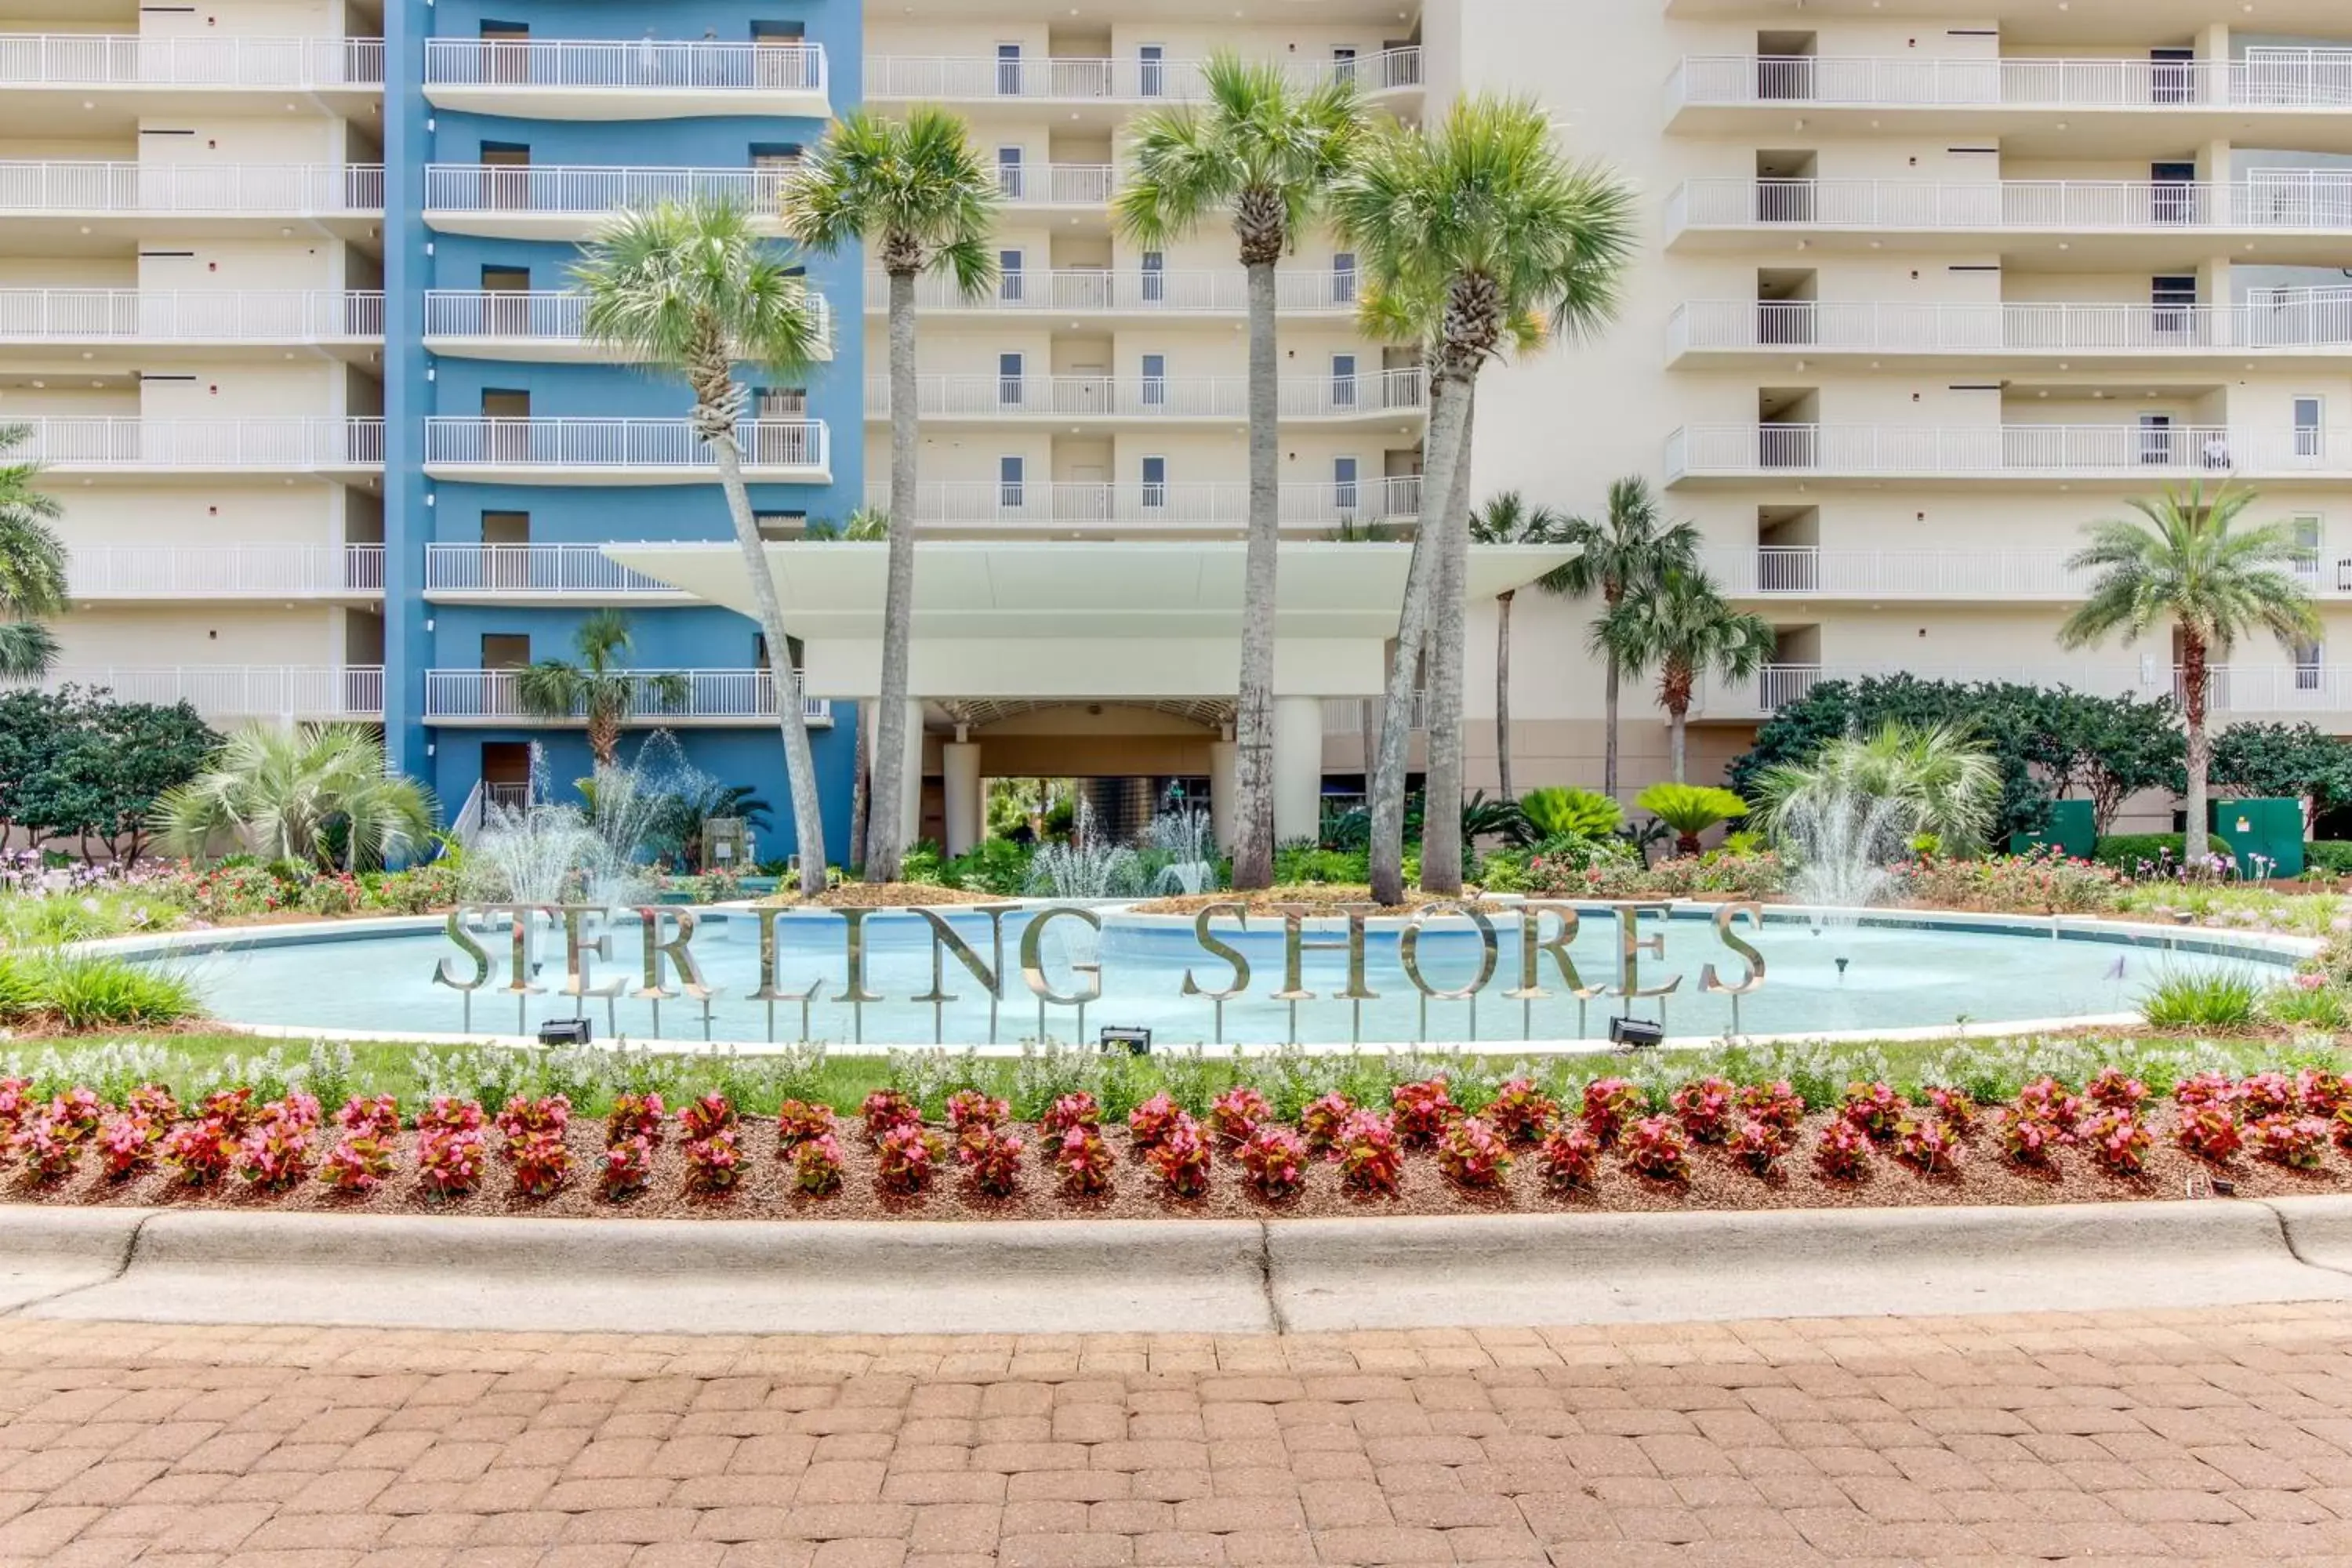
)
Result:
{"points": [[1677, 735], [886, 816], [2194, 676], [1609, 712], [861, 790], [799, 763], [1254, 707], [1441, 827], [1387, 783], [1503, 691]]}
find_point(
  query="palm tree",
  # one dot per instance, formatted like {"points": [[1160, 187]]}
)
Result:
{"points": [[32, 563], [1628, 549], [1689, 810], [1269, 149], [1904, 783], [1488, 215], [2183, 560], [288, 793], [1682, 627], [1508, 518], [691, 287], [600, 687], [916, 193]]}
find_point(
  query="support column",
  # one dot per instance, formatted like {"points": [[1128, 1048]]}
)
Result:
{"points": [[1221, 757], [1298, 767], [910, 804], [960, 770]]}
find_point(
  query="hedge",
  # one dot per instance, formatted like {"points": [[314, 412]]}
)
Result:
{"points": [[2124, 851], [2328, 857]]}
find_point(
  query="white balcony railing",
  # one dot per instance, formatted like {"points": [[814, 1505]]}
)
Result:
{"points": [[553, 316], [199, 571], [2231, 689], [1808, 571], [239, 691], [2267, 199], [122, 59], [1080, 291], [1992, 450], [1161, 397], [271, 190], [1056, 184], [1195, 504], [531, 569], [190, 315], [2318, 318], [712, 694], [580, 190], [1078, 79], [642, 63], [2266, 77], [461, 440], [258, 441]]}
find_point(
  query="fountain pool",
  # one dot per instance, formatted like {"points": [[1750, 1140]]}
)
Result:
{"points": [[1898, 972]]}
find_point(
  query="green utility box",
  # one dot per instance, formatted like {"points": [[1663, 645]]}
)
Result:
{"points": [[2272, 829], [2070, 826]]}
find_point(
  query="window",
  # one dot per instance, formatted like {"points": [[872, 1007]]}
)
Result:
{"points": [[2310, 671], [1343, 484], [1155, 277], [794, 650], [1155, 381], [1343, 380], [1343, 277], [1008, 69], [1008, 378], [2156, 440], [1151, 70], [2310, 415], [1008, 277], [1008, 172], [1343, 65], [2173, 196], [1155, 483], [2309, 539], [780, 525], [1008, 482], [2172, 76], [2173, 302], [780, 403], [506, 650]]}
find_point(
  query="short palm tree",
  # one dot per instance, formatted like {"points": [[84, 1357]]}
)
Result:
{"points": [[1627, 549], [32, 563], [1269, 149], [1934, 782], [2184, 561], [1682, 627], [289, 794], [599, 688], [1488, 215], [1508, 518], [1690, 810], [691, 287], [917, 194]]}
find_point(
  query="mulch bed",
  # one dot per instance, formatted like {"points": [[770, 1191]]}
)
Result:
{"points": [[1334, 897], [885, 895], [766, 1190]]}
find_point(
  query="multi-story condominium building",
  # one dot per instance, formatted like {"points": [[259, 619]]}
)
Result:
{"points": [[1920, 291]]}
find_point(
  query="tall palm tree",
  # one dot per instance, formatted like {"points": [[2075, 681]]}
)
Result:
{"points": [[1627, 551], [1486, 214], [916, 193], [284, 792], [1508, 518], [691, 287], [600, 687], [1682, 627], [32, 563], [2184, 561], [1270, 149]]}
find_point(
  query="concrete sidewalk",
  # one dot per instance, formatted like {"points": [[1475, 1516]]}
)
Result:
{"points": [[1203, 1276]]}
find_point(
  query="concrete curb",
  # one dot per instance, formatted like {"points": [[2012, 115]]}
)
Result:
{"points": [[1210, 1276]]}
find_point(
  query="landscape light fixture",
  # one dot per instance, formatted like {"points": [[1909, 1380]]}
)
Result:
{"points": [[1137, 1042], [1633, 1034], [563, 1032]]}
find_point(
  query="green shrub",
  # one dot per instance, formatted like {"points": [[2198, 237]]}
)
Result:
{"points": [[923, 863], [995, 865], [90, 992], [2297, 1005], [2328, 857], [43, 920], [2140, 854], [1561, 809], [2203, 999], [1304, 863]]}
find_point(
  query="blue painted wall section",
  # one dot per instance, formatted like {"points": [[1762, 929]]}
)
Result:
{"points": [[419, 510]]}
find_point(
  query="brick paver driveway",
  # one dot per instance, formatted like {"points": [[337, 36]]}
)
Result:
{"points": [[2176, 1437]]}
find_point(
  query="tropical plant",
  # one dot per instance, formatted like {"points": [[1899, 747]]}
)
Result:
{"points": [[1629, 548], [32, 562], [2184, 562], [1268, 149], [683, 815], [1559, 810], [1680, 624], [1476, 230], [917, 194], [1508, 518], [1939, 781], [600, 687], [293, 794], [692, 287], [1690, 810]]}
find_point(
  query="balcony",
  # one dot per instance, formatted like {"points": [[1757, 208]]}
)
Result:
{"points": [[712, 697], [1209, 506], [1151, 400], [2135, 453], [1094, 292], [634, 78], [559, 451], [1950, 576], [1075, 82], [509, 574], [2234, 692], [504, 201], [2278, 322], [235, 693], [106, 82], [538, 325], [174, 321], [137, 450], [2298, 97], [228, 199], [2281, 216], [136, 573]]}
